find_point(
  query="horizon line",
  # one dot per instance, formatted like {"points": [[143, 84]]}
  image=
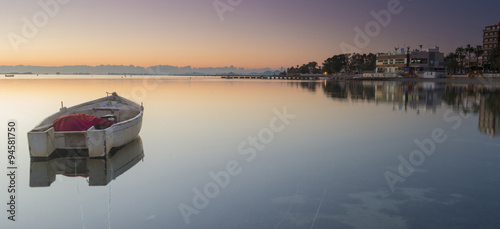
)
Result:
{"points": [[55, 66]]}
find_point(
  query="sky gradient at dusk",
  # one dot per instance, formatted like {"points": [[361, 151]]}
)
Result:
{"points": [[255, 34]]}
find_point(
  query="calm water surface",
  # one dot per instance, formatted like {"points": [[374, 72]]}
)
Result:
{"points": [[219, 153]]}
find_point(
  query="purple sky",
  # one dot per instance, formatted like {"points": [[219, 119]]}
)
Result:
{"points": [[256, 33]]}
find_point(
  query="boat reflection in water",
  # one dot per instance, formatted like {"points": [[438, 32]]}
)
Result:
{"points": [[98, 171]]}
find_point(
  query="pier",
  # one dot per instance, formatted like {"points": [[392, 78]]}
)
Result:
{"points": [[293, 77]]}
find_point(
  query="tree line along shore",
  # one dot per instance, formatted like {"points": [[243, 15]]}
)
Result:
{"points": [[462, 61]]}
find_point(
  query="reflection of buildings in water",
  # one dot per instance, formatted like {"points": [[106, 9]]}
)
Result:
{"points": [[99, 171], [489, 123], [463, 98], [414, 96], [426, 96], [389, 93], [401, 96]]}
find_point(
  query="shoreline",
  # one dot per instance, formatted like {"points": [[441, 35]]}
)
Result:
{"points": [[495, 81], [461, 80]]}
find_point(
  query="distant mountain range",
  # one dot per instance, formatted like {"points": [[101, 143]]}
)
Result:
{"points": [[134, 70]]}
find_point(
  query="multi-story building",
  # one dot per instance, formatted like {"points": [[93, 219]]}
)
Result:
{"points": [[491, 39], [428, 60], [391, 62], [420, 60]]}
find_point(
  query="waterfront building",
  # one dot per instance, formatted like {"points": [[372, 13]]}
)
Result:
{"points": [[420, 60], [491, 39], [392, 61]]}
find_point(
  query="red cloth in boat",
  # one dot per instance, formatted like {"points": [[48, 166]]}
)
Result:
{"points": [[79, 122]]}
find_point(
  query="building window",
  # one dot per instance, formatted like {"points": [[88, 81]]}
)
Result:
{"points": [[400, 61], [419, 61]]}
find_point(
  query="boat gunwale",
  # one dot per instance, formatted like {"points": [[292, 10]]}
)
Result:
{"points": [[88, 103]]}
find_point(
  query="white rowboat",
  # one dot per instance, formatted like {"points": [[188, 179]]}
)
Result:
{"points": [[43, 139]]}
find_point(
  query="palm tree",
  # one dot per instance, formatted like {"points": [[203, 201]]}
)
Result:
{"points": [[312, 67], [460, 54], [478, 51], [469, 49], [452, 63]]}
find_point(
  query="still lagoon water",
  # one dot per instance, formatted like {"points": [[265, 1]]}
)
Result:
{"points": [[223, 153]]}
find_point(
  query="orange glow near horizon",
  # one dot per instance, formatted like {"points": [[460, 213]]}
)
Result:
{"points": [[58, 50], [152, 33], [141, 57], [191, 33]]}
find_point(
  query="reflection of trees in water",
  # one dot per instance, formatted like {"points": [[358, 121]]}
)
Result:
{"points": [[349, 89], [309, 86], [335, 89], [339, 89], [464, 99], [484, 102], [467, 99]]}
